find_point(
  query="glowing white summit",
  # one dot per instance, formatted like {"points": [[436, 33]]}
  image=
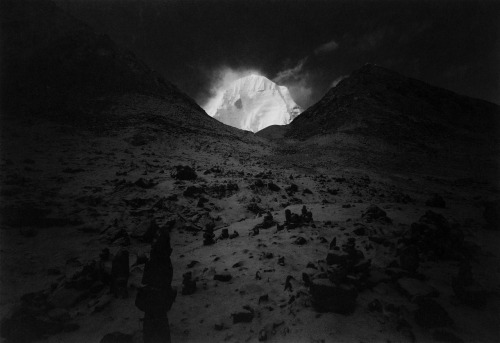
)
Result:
{"points": [[254, 102]]}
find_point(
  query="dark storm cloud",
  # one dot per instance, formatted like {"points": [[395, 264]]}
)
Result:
{"points": [[306, 45]]}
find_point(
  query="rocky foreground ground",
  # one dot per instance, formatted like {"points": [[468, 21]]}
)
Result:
{"points": [[266, 246]]}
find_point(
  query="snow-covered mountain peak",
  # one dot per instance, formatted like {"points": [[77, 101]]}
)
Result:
{"points": [[254, 102]]}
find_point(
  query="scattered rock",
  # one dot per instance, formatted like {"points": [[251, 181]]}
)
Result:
{"points": [[292, 189], [208, 235], [192, 264], [327, 297], [146, 231], [267, 222], [281, 260], [223, 277], [184, 173], [243, 317], [300, 241], [434, 234], [188, 284], [374, 213], [336, 257]]}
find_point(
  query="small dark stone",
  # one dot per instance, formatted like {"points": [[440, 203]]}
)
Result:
{"points": [[281, 260], [333, 243], [336, 257], [184, 173], [242, 317], [188, 285], [300, 241], [223, 277], [202, 201], [375, 213], [273, 187], [192, 264], [360, 231], [264, 298], [224, 234]]}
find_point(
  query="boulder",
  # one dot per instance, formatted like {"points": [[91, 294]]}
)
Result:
{"points": [[242, 317], [336, 257], [374, 213], [184, 173], [145, 231], [273, 187], [223, 277], [300, 241], [327, 297]]}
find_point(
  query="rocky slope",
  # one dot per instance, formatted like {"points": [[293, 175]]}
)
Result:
{"points": [[384, 120], [55, 67], [254, 102], [375, 101]]}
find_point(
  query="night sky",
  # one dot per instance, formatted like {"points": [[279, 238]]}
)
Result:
{"points": [[306, 45]]}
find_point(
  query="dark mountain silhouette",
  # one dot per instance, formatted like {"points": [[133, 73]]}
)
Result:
{"points": [[378, 114], [377, 101], [54, 66]]}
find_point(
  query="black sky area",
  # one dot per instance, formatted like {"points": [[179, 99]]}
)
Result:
{"points": [[451, 44]]}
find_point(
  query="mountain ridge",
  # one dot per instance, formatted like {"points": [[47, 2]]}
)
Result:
{"points": [[377, 101]]}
